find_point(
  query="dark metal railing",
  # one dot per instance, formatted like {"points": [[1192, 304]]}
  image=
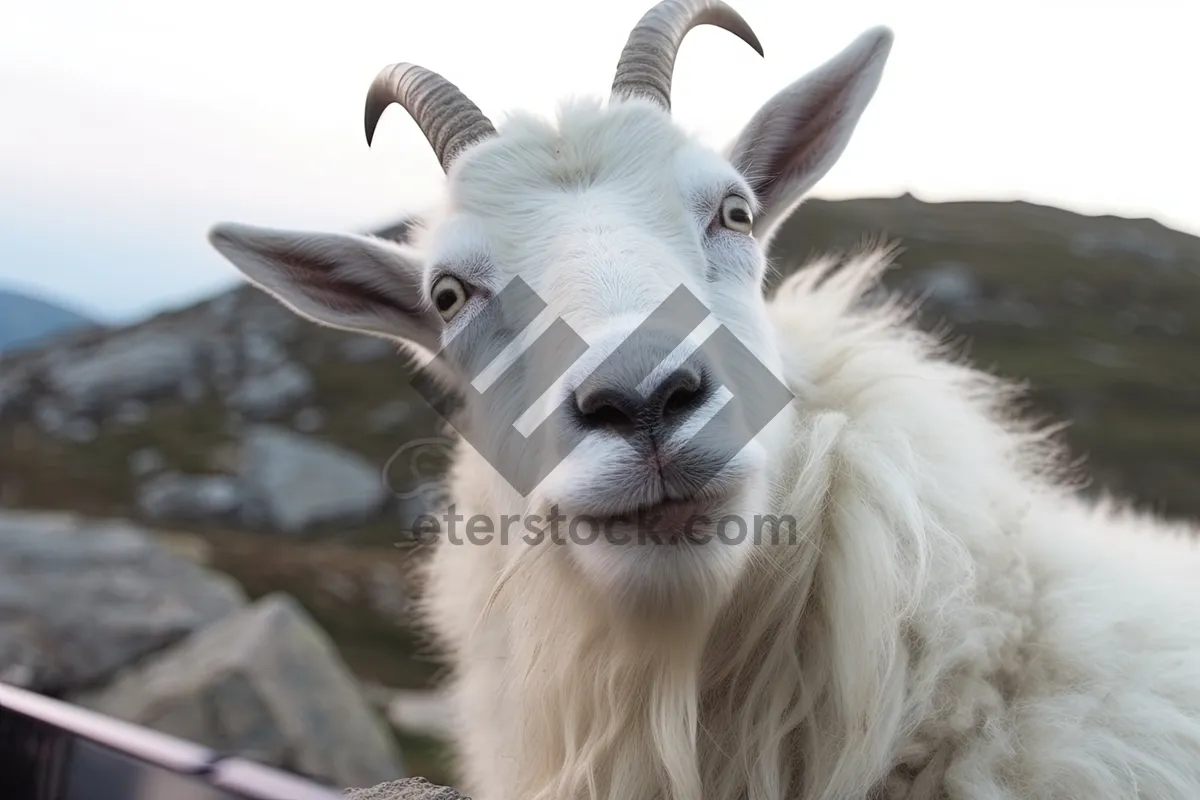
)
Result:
{"points": [[51, 750]]}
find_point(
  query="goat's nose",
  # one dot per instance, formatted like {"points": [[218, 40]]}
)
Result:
{"points": [[617, 405]]}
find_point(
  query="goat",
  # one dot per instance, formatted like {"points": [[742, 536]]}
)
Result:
{"points": [[952, 618]]}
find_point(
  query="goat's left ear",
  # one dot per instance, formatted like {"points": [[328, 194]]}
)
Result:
{"points": [[801, 132], [341, 280]]}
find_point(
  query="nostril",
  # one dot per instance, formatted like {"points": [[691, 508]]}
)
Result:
{"points": [[619, 407], [608, 416], [607, 409], [682, 392], [682, 398]]}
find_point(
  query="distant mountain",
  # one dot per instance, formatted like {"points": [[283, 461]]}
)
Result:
{"points": [[26, 320]]}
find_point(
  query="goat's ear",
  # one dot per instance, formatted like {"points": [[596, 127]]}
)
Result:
{"points": [[354, 283], [794, 139]]}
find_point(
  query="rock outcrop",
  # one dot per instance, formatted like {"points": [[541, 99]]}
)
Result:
{"points": [[265, 683], [80, 599], [406, 789], [131, 623], [293, 481]]}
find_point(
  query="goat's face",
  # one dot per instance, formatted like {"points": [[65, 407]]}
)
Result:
{"points": [[648, 441], [637, 237]]}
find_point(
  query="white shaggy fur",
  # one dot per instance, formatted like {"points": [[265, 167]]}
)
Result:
{"points": [[951, 621], [954, 608]]}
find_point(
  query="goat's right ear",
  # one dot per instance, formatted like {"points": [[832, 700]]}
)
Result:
{"points": [[800, 133], [346, 281]]}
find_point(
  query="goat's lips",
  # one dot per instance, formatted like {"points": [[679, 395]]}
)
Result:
{"points": [[669, 521]]}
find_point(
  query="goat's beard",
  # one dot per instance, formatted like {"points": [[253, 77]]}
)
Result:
{"points": [[673, 565]]}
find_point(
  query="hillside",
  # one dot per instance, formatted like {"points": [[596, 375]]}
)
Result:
{"points": [[236, 422], [1096, 315], [27, 320]]}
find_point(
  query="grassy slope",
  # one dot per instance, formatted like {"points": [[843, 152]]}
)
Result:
{"points": [[1129, 388]]}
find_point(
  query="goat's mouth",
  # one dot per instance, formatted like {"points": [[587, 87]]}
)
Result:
{"points": [[627, 505], [666, 521]]}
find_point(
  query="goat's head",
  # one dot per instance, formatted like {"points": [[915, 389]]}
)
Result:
{"points": [[603, 216]]}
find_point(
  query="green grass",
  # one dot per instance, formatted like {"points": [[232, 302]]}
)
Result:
{"points": [[427, 758]]}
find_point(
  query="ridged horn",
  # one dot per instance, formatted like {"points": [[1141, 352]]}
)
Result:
{"points": [[648, 60], [447, 117]]}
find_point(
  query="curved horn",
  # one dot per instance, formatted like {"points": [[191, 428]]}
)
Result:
{"points": [[648, 60], [447, 117]]}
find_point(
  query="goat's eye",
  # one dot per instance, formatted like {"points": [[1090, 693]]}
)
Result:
{"points": [[735, 214], [449, 295]]}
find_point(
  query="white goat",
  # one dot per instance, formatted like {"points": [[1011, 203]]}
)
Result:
{"points": [[951, 620]]}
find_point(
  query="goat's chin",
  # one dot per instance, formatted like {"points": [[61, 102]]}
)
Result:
{"points": [[684, 564]]}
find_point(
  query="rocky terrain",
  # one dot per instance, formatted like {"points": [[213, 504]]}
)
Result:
{"points": [[293, 458], [105, 615]]}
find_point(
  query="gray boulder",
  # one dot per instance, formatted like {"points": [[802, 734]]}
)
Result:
{"points": [[79, 600], [424, 712], [263, 395], [177, 497], [267, 684], [407, 789], [292, 482], [140, 364]]}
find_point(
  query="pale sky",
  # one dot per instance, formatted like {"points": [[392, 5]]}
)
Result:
{"points": [[127, 127]]}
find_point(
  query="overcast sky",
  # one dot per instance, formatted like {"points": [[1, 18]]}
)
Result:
{"points": [[127, 127]]}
